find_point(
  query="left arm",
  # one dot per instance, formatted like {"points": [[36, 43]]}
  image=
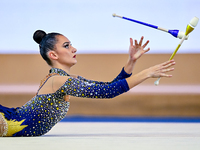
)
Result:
{"points": [[135, 52]]}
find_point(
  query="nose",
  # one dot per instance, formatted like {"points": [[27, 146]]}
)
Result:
{"points": [[74, 50]]}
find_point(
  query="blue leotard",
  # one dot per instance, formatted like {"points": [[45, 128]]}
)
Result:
{"points": [[42, 112]]}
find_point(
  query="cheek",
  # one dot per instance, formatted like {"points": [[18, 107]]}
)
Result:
{"points": [[66, 57], [63, 53]]}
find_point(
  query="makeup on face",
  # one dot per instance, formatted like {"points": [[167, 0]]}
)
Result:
{"points": [[67, 45]]}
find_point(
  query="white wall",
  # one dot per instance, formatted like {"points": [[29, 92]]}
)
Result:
{"points": [[92, 29]]}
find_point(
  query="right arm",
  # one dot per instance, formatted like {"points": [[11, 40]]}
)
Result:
{"points": [[75, 87], [78, 88], [87, 88], [156, 71]]}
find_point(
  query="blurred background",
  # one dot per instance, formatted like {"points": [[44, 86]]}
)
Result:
{"points": [[102, 43]]}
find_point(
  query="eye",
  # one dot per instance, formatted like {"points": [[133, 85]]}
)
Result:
{"points": [[67, 45]]}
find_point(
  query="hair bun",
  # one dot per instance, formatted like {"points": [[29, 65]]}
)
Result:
{"points": [[38, 36]]}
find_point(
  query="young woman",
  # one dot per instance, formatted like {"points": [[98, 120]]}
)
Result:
{"points": [[51, 102]]}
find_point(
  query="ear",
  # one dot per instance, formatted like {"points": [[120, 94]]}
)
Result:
{"points": [[52, 55]]}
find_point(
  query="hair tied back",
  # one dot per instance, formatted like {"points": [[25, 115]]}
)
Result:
{"points": [[38, 36]]}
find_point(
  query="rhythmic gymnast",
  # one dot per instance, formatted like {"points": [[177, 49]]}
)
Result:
{"points": [[51, 102]]}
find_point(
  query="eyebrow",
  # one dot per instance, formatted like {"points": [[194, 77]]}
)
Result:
{"points": [[66, 43]]}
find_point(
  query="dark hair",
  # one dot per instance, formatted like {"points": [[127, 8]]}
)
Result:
{"points": [[46, 43]]}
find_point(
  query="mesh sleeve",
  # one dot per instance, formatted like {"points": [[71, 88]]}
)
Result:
{"points": [[79, 88]]}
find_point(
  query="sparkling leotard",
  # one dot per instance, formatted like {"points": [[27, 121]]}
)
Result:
{"points": [[42, 112]]}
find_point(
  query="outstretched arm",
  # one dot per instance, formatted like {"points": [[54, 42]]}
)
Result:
{"points": [[121, 75], [75, 87], [156, 71], [135, 52]]}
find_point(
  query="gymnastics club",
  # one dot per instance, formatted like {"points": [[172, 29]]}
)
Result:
{"points": [[190, 27], [175, 33]]}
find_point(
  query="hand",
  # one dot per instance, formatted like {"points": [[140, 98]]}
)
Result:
{"points": [[156, 71], [160, 70], [137, 50]]}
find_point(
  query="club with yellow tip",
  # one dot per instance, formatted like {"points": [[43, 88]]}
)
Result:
{"points": [[190, 27]]}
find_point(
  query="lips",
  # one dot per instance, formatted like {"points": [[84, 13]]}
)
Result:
{"points": [[74, 56]]}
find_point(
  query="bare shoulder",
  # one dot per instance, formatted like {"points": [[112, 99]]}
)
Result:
{"points": [[58, 81], [53, 84]]}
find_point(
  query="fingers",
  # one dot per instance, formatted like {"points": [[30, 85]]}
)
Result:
{"points": [[162, 69], [147, 42], [136, 43], [168, 64], [165, 68], [140, 43], [147, 50], [131, 42], [165, 75]]}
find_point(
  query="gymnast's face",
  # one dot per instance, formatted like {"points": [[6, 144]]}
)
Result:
{"points": [[65, 52]]}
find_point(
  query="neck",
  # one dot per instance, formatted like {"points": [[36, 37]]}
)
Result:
{"points": [[65, 68]]}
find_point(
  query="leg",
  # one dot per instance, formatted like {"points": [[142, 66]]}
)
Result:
{"points": [[3, 126]]}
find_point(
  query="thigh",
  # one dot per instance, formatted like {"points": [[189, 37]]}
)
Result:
{"points": [[3, 126]]}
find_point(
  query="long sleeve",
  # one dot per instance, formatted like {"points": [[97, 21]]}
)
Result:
{"points": [[121, 75], [79, 88]]}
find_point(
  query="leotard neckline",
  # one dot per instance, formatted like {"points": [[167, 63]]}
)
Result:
{"points": [[58, 71]]}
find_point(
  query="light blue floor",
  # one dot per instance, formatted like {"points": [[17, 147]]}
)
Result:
{"points": [[111, 136]]}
